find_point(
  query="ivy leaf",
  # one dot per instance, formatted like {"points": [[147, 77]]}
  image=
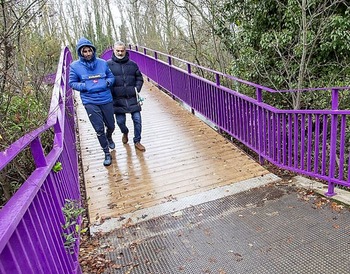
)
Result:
{"points": [[57, 167]]}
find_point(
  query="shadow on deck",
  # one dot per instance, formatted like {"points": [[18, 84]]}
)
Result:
{"points": [[185, 163]]}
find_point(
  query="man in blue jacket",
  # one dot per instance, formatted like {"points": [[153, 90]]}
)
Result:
{"points": [[128, 83], [92, 77]]}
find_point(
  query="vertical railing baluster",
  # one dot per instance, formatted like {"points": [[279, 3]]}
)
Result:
{"points": [[342, 147], [284, 139], [171, 75], [278, 140], [317, 142], [333, 143], [38, 153], [156, 66], [324, 145], [309, 143], [260, 124]]}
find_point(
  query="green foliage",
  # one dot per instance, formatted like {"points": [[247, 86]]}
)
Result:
{"points": [[271, 46], [23, 113], [20, 113], [72, 212], [57, 167], [14, 174]]}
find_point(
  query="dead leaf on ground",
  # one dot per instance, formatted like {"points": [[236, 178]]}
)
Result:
{"points": [[128, 223], [336, 207]]}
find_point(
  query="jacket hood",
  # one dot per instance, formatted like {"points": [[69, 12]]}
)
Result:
{"points": [[82, 43]]}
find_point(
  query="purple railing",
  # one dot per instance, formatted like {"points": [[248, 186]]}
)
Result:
{"points": [[31, 222], [309, 142]]}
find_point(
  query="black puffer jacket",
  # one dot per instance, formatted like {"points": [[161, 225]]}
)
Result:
{"points": [[127, 76]]}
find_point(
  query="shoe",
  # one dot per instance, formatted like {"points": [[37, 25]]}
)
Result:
{"points": [[108, 159], [111, 144], [125, 138], [140, 147]]}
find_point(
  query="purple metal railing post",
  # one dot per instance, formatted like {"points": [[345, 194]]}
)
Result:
{"points": [[217, 77], [156, 57], [38, 153], [333, 149], [260, 125], [189, 71], [147, 72], [259, 95], [171, 75], [218, 83]]}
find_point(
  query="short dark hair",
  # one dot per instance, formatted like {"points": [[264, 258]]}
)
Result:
{"points": [[83, 47]]}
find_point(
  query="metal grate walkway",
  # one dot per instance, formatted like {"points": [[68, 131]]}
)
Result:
{"points": [[264, 230]]}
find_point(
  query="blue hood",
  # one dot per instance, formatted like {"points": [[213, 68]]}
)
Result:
{"points": [[82, 43]]}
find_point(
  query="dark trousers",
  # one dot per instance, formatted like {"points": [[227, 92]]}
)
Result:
{"points": [[136, 118], [101, 117]]}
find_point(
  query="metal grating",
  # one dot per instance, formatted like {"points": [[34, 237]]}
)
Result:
{"points": [[264, 230]]}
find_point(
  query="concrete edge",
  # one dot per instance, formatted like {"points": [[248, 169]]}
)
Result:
{"points": [[342, 196], [178, 205]]}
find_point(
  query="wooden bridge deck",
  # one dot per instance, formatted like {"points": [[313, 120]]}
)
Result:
{"points": [[183, 157]]}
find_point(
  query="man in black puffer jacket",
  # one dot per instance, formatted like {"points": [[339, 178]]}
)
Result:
{"points": [[128, 82]]}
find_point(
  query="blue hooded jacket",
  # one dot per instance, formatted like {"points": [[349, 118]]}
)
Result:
{"points": [[92, 78]]}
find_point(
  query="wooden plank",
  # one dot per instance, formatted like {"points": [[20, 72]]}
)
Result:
{"points": [[183, 157]]}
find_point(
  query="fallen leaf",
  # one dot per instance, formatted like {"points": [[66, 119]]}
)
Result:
{"points": [[177, 214], [336, 207]]}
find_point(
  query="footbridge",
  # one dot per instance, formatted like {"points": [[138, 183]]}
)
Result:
{"points": [[193, 119]]}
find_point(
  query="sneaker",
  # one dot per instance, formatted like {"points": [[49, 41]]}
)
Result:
{"points": [[125, 138], [111, 144], [108, 159], [140, 147]]}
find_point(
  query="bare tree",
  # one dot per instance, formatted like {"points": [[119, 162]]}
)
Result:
{"points": [[323, 10], [13, 22], [199, 17], [110, 21]]}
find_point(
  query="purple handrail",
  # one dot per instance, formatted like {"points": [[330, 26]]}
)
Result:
{"points": [[31, 222], [309, 142]]}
